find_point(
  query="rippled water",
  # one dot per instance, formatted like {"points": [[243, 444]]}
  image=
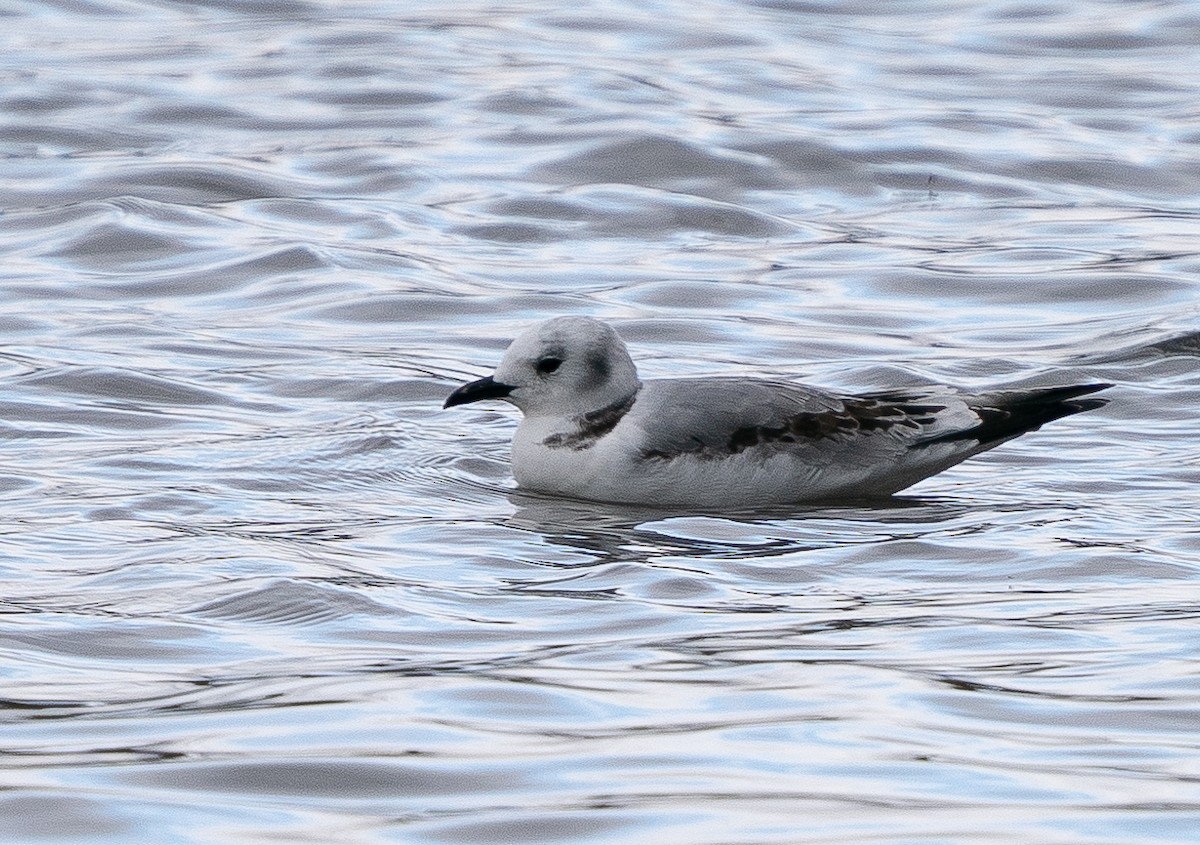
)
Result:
{"points": [[257, 586]]}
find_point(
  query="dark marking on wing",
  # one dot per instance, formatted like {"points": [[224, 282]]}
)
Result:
{"points": [[857, 416], [591, 426]]}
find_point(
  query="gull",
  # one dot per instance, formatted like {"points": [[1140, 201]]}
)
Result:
{"points": [[591, 429]]}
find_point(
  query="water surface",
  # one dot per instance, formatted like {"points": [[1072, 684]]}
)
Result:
{"points": [[257, 586]]}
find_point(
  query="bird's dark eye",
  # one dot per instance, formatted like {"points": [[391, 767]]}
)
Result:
{"points": [[548, 365]]}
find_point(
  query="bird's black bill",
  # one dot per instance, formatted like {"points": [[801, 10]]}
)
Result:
{"points": [[484, 388]]}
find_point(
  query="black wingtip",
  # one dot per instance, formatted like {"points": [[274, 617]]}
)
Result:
{"points": [[1084, 405], [1057, 394], [1009, 414]]}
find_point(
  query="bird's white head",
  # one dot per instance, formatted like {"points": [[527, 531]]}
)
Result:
{"points": [[562, 367]]}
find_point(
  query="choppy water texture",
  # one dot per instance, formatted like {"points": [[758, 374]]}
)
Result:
{"points": [[257, 587]]}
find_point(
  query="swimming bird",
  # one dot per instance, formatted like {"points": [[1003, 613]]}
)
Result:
{"points": [[591, 429]]}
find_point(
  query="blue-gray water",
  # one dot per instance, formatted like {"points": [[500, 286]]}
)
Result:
{"points": [[257, 587]]}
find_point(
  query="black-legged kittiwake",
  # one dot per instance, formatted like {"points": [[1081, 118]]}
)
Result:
{"points": [[593, 430]]}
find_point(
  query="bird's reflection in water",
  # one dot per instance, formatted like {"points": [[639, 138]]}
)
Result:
{"points": [[625, 532]]}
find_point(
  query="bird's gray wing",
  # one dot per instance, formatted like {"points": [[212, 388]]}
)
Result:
{"points": [[724, 416]]}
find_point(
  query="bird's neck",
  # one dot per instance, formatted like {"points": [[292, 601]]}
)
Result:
{"points": [[585, 429]]}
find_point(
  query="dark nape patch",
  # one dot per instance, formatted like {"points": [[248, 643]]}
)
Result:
{"points": [[592, 426]]}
